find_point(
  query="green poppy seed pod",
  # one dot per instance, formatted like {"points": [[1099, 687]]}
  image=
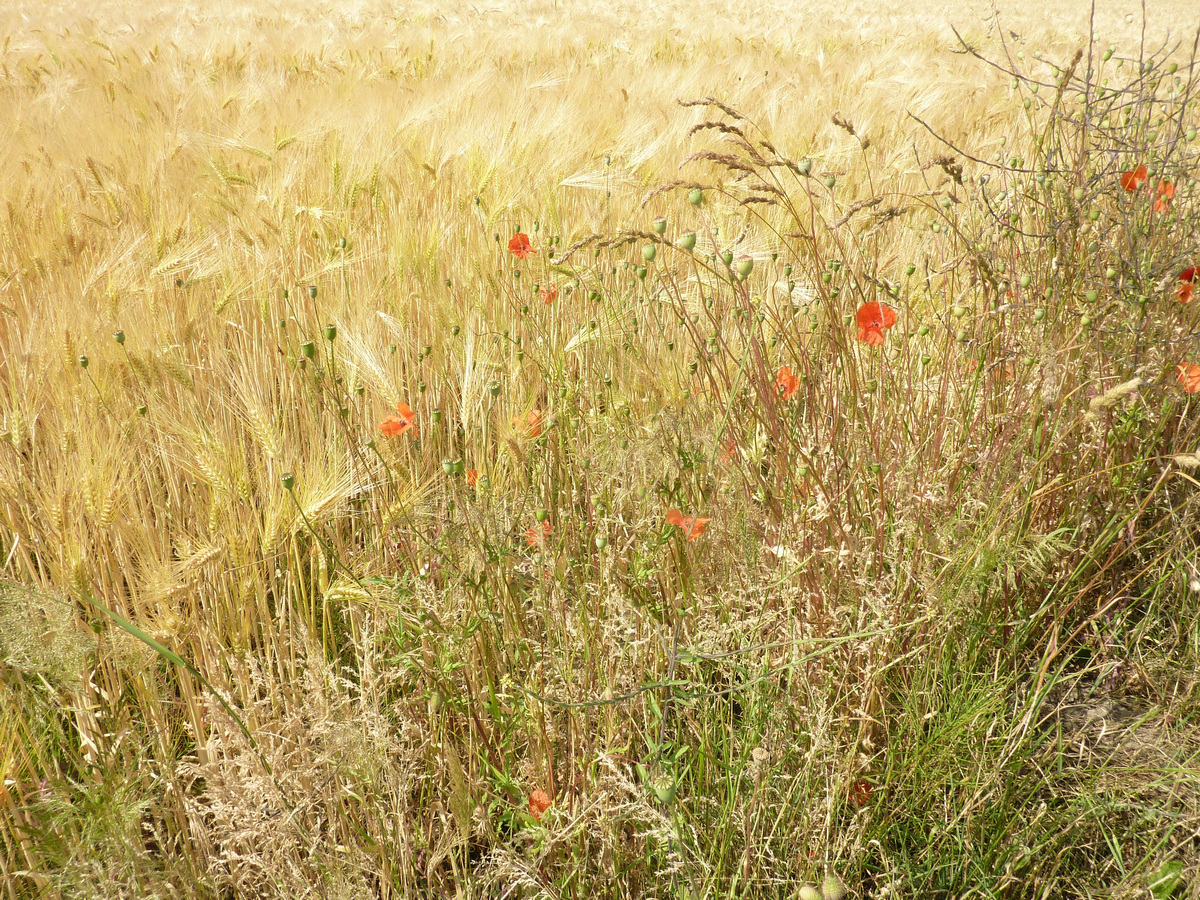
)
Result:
{"points": [[649, 252], [745, 266], [1038, 315], [830, 181], [288, 480], [1025, 281], [696, 196], [330, 332], [923, 330], [1078, 193], [459, 468], [805, 166], [826, 277], [958, 311], [312, 291], [436, 701], [688, 241], [641, 493], [666, 793], [454, 329], [541, 515], [961, 336], [1107, 55], [448, 466], [802, 471], [925, 360], [141, 410], [421, 387], [1110, 273], [308, 349], [341, 243], [83, 362], [601, 542], [832, 888], [119, 337], [808, 892], [909, 269], [494, 388], [660, 225], [436, 415], [787, 271], [641, 272], [727, 256], [359, 390], [1086, 321], [1191, 133]]}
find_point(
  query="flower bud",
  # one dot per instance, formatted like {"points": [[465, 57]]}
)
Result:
{"points": [[808, 892], [832, 888]]}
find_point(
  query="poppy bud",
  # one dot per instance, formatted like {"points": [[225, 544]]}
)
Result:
{"points": [[436, 700], [119, 337], [1086, 322], [660, 225], [1038, 315], [962, 335], [288, 480], [744, 267], [696, 197], [1092, 296], [649, 252], [1078, 194], [330, 332], [832, 888], [1110, 273], [312, 291], [808, 892], [923, 330], [1191, 133], [541, 515], [688, 241]]}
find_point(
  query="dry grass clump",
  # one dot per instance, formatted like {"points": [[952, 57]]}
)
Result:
{"points": [[455, 452]]}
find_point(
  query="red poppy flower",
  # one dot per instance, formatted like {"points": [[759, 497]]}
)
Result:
{"points": [[1165, 191], [394, 426], [472, 477], [539, 802], [1132, 180], [548, 294], [860, 792], [520, 246], [693, 527], [533, 423], [873, 319], [535, 535], [1189, 374], [786, 382], [1187, 283], [728, 448]]}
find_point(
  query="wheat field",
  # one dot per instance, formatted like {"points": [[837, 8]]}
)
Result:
{"points": [[551, 450]]}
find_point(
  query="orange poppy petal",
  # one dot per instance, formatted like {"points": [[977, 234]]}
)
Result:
{"points": [[1189, 375], [872, 335], [1185, 292], [1132, 180], [674, 517], [1166, 190], [694, 527], [539, 802]]}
